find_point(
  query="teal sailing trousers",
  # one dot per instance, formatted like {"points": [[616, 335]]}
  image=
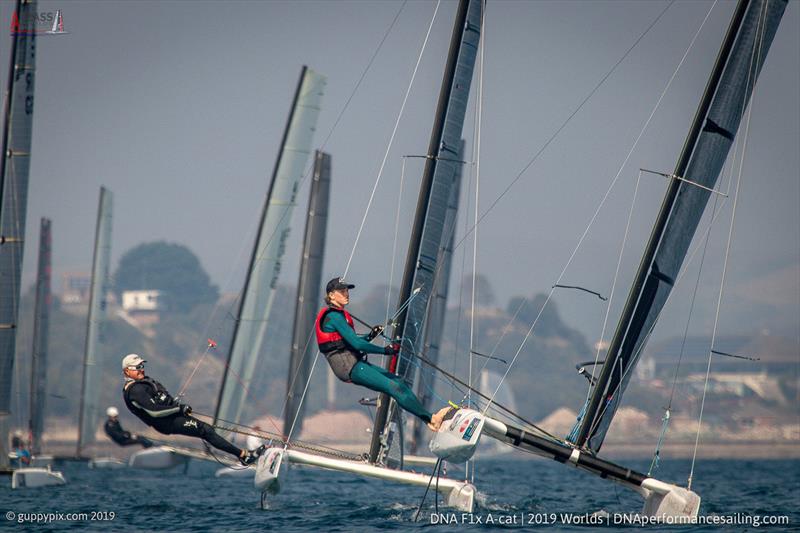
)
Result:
{"points": [[380, 380]]}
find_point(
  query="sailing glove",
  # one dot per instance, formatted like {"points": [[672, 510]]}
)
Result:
{"points": [[186, 410], [392, 349]]}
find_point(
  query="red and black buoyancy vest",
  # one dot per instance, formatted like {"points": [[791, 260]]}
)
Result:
{"points": [[331, 342]]}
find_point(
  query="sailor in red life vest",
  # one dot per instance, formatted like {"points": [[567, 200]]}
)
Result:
{"points": [[346, 353]]}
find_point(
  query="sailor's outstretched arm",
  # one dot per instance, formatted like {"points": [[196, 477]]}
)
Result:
{"points": [[338, 322]]}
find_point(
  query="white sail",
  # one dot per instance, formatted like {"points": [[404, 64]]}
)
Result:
{"points": [[91, 411], [265, 265]]}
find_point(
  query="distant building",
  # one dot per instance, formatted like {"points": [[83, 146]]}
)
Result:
{"points": [[75, 288], [142, 308]]}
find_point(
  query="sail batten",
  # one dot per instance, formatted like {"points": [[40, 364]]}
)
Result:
{"points": [[90, 408], [437, 181], [265, 263], [706, 148]]}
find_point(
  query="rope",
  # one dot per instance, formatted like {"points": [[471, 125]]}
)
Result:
{"points": [[756, 54], [425, 495], [234, 428], [657, 454], [391, 140]]}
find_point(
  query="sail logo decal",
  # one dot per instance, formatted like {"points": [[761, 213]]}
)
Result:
{"points": [[41, 23], [464, 425], [471, 429]]}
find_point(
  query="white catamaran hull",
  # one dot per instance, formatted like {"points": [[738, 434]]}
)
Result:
{"points": [[36, 477], [233, 471], [156, 458], [457, 494], [107, 463]]}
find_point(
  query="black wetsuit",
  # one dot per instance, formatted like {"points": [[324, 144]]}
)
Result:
{"points": [[150, 401], [124, 438]]}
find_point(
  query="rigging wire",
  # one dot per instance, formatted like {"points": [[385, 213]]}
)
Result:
{"points": [[519, 175], [564, 124], [391, 138], [614, 284], [608, 191], [305, 176], [752, 72], [394, 242], [477, 170]]}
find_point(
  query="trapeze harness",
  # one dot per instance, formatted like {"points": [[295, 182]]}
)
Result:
{"points": [[340, 355]]}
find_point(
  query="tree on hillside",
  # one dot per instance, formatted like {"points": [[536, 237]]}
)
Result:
{"points": [[171, 268], [484, 295]]}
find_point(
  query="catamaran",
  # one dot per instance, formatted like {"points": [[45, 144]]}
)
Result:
{"points": [[442, 166], [692, 182]]}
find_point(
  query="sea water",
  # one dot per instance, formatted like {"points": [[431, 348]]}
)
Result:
{"points": [[514, 494]]}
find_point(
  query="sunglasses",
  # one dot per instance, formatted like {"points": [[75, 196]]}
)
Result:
{"points": [[140, 366]]}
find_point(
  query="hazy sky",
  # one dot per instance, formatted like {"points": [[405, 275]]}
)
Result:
{"points": [[179, 107]]}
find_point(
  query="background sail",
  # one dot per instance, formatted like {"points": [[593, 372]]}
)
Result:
{"points": [[265, 263], [309, 293], [91, 410], [441, 167], [707, 157], [14, 166], [41, 330]]}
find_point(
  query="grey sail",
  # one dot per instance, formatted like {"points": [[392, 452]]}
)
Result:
{"points": [[438, 306], [95, 353], [441, 167], [41, 330], [710, 138], [265, 262], [309, 293], [14, 167]]}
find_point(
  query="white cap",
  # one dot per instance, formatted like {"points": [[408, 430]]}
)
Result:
{"points": [[112, 411], [131, 360]]}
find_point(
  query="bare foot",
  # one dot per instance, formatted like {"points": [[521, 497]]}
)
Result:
{"points": [[436, 419]]}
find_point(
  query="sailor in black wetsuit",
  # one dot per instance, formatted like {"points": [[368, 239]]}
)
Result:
{"points": [[115, 432], [150, 401]]}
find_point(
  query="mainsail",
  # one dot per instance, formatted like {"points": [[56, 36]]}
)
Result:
{"points": [[14, 167], [90, 409], [438, 306], [715, 124], [308, 292], [441, 167], [41, 328], [265, 262]]}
